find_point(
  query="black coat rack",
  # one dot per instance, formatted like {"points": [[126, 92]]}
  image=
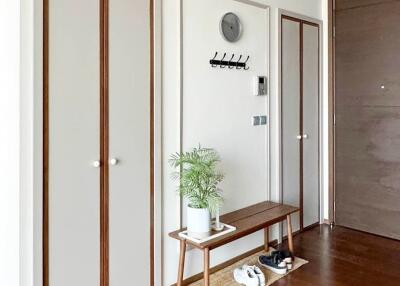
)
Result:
{"points": [[231, 64]]}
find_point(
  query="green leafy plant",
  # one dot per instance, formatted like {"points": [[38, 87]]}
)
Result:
{"points": [[198, 177]]}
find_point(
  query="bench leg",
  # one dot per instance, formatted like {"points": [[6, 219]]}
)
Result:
{"points": [[266, 239], [206, 267], [289, 234], [181, 262]]}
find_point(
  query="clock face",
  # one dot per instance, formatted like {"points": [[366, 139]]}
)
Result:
{"points": [[230, 27]]}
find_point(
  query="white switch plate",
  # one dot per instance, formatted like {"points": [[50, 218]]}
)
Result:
{"points": [[255, 120], [263, 120], [259, 120]]}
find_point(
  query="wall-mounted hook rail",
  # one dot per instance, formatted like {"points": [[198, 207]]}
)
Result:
{"points": [[222, 63], [214, 65], [230, 62]]}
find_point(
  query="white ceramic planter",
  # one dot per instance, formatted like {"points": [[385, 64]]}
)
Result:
{"points": [[198, 222]]}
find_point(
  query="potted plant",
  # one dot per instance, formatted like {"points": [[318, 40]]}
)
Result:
{"points": [[199, 181]]}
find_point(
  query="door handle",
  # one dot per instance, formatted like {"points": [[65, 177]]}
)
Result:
{"points": [[305, 136], [114, 161], [299, 137], [96, 163]]}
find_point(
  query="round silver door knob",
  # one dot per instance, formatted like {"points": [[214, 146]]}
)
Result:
{"points": [[298, 137], [113, 161], [305, 136], [96, 163]]}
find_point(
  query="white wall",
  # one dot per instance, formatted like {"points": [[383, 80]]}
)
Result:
{"points": [[325, 115], [9, 142], [172, 128], [30, 143]]}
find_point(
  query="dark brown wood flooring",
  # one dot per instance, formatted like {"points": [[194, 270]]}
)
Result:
{"points": [[342, 256]]}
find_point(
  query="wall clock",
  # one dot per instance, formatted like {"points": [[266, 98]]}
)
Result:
{"points": [[230, 27]]}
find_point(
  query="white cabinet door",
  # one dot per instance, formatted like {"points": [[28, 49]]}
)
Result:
{"points": [[310, 124], [290, 93], [74, 143], [300, 118], [129, 139]]}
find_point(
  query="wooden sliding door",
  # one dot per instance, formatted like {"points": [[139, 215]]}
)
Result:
{"points": [[368, 116]]}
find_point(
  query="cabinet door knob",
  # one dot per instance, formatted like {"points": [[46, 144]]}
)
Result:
{"points": [[96, 163], [299, 137], [113, 161], [305, 136]]}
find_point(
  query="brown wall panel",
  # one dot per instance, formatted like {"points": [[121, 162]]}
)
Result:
{"points": [[367, 47], [368, 168], [368, 118], [351, 4]]}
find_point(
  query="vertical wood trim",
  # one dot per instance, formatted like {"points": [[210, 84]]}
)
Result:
{"points": [[104, 145], [331, 110], [180, 198], [152, 145], [45, 138], [301, 130], [320, 78], [280, 230]]}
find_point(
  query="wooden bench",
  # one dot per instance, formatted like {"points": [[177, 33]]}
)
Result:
{"points": [[247, 220]]}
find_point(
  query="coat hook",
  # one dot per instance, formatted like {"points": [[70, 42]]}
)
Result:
{"points": [[215, 56], [237, 62], [229, 63], [246, 68], [221, 64]]}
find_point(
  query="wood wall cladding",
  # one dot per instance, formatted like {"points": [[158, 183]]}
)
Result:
{"points": [[350, 4], [368, 117]]}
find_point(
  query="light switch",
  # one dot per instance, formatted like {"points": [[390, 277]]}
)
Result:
{"points": [[263, 120], [259, 120], [255, 120]]}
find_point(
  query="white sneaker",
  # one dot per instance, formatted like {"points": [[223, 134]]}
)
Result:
{"points": [[260, 275], [246, 276]]}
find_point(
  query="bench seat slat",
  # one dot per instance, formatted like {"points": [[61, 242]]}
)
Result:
{"points": [[231, 217], [247, 220]]}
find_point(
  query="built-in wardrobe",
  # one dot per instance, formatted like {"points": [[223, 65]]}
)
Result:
{"points": [[300, 89], [97, 155]]}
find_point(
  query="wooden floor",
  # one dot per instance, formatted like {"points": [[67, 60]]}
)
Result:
{"points": [[344, 257]]}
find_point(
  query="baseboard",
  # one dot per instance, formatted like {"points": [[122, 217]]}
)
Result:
{"points": [[369, 233], [311, 226]]}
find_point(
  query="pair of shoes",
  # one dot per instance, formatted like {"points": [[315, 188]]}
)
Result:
{"points": [[279, 261], [285, 256], [249, 275]]}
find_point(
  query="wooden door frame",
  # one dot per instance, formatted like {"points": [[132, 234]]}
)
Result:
{"points": [[301, 19], [155, 141], [331, 111]]}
